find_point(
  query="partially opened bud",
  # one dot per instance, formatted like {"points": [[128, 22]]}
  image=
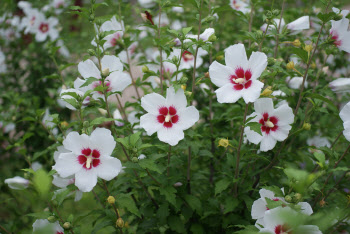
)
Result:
{"points": [[120, 223], [111, 200], [290, 65], [224, 143], [306, 126], [267, 92], [105, 72], [296, 43]]}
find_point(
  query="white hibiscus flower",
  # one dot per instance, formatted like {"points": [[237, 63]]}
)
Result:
{"points": [[340, 34]]}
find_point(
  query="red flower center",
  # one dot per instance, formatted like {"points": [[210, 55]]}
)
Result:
{"points": [[44, 27], [114, 40], [269, 123], [275, 199], [167, 116], [241, 79], [99, 83], [187, 56], [283, 229], [89, 158], [335, 37], [236, 5]]}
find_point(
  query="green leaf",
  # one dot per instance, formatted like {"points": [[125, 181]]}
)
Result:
{"points": [[186, 30], [320, 97], [149, 164], [125, 200], [88, 81], [163, 213], [100, 120], [169, 193], [230, 204], [221, 185], [254, 126], [40, 215], [325, 17], [273, 204], [300, 53], [176, 224], [61, 195], [42, 182], [321, 158], [63, 67], [194, 202]]}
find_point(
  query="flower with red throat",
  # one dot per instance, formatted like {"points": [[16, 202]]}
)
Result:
{"points": [[45, 28], [340, 34], [169, 116], [240, 5], [344, 115], [275, 123], [239, 77], [44, 226], [88, 158]]}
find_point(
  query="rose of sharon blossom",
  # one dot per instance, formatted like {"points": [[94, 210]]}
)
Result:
{"points": [[239, 77], [89, 157], [111, 39], [240, 5], [275, 123], [345, 116], [187, 58], [276, 221], [295, 26], [344, 13], [340, 85], [45, 225], [340, 34], [259, 206], [169, 116], [116, 81], [45, 28]]}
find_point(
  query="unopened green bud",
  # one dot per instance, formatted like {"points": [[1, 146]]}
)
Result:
{"points": [[91, 52], [91, 17], [265, 50], [175, 59], [86, 124], [67, 225], [120, 223], [290, 65], [212, 38], [306, 126], [288, 198], [220, 57], [275, 12], [111, 200], [296, 43], [135, 159], [145, 69], [298, 197], [269, 14], [52, 219]]}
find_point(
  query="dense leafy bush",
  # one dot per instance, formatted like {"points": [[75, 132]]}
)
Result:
{"points": [[193, 116]]}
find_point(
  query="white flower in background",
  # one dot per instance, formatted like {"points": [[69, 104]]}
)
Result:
{"points": [[340, 85], [239, 77], [7, 127], [178, 9], [275, 123], [89, 157], [277, 221], [278, 93], [63, 49], [17, 183], [64, 94], [318, 141], [116, 81], [178, 25], [345, 116], [3, 67], [204, 36], [296, 26], [131, 52], [340, 34], [187, 59], [57, 5], [118, 118], [41, 225], [46, 28], [147, 3], [295, 82], [133, 120], [240, 5], [164, 20], [112, 40], [169, 116], [30, 22], [142, 156], [47, 121], [259, 206], [344, 13]]}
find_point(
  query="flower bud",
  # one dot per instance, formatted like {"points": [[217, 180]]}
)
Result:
{"points": [[135, 159], [91, 52], [67, 225], [86, 124], [212, 38], [267, 92], [265, 50], [178, 184], [105, 72], [306, 126], [290, 65], [183, 80], [308, 48], [288, 198], [145, 69], [111, 200], [313, 65], [126, 225], [64, 124], [52, 219], [298, 197], [120, 223], [91, 17], [271, 61], [269, 15], [188, 94], [207, 75], [224, 143], [220, 57], [184, 87], [296, 43], [275, 12]]}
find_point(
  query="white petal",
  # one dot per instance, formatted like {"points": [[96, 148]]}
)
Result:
{"points": [[188, 117], [152, 102], [267, 143], [281, 133], [300, 24], [109, 168], [88, 69], [206, 34], [150, 123], [235, 56], [119, 81], [258, 208], [220, 74], [177, 99], [86, 180], [172, 135], [263, 105], [17, 182], [252, 136], [78, 195], [253, 92], [67, 165], [61, 182], [340, 85], [264, 193], [112, 63], [284, 114], [257, 64], [306, 208], [75, 142], [345, 113], [227, 94], [102, 139], [40, 36]]}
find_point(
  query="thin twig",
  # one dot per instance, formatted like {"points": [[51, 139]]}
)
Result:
{"points": [[278, 30], [169, 154]]}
